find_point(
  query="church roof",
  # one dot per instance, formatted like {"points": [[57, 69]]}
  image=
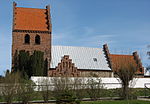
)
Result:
{"points": [[30, 19], [119, 60], [82, 57]]}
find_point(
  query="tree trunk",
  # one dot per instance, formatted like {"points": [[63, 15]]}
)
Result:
{"points": [[125, 91]]}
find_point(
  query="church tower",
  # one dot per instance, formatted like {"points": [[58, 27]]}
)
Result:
{"points": [[31, 31]]}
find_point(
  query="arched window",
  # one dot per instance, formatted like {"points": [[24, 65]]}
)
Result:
{"points": [[37, 39], [27, 39]]}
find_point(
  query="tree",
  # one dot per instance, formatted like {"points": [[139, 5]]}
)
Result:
{"points": [[45, 67], [30, 65], [79, 88], [37, 63], [63, 91], [45, 87], [10, 86], [16, 62], [25, 91], [94, 87], [126, 73], [23, 63]]}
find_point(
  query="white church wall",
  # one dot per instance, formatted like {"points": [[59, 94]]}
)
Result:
{"points": [[108, 83]]}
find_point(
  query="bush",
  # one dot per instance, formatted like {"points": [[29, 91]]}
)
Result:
{"points": [[64, 91], [66, 97]]}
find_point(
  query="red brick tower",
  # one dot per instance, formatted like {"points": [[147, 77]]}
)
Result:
{"points": [[31, 31]]}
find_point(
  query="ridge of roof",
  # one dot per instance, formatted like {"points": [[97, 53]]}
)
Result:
{"points": [[120, 55], [75, 46], [31, 8]]}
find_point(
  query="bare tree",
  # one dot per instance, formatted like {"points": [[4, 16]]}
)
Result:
{"points": [[63, 90], [45, 89], [10, 86], [25, 91], [79, 88], [94, 87], [126, 73]]}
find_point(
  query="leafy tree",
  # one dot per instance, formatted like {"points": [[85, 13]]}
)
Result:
{"points": [[24, 63], [37, 63], [30, 64], [16, 62], [45, 67]]}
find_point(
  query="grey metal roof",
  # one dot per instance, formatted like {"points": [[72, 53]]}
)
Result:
{"points": [[82, 57]]}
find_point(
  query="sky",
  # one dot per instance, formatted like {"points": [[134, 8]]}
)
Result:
{"points": [[123, 24]]}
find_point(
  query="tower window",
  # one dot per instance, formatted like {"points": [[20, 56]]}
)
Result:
{"points": [[27, 39], [37, 39]]}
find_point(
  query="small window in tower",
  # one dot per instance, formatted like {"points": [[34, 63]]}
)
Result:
{"points": [[27, 39], [37, 39], [141, 70]]}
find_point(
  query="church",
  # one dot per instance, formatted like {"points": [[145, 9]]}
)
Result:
{"points": [[32, 30]]}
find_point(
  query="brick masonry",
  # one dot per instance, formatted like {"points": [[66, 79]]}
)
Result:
{"points": [[65, 68], [18, 37], [44, 46]]}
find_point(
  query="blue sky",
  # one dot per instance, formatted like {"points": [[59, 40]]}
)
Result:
{"points": [[123, 24]]}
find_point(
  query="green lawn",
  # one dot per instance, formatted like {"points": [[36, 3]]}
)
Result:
{"points": [[118, 102]]}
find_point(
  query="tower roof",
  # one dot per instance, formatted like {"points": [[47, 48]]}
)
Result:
{"points": [[31, 19]]}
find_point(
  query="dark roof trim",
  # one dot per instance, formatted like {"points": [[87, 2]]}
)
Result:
{"points": [[98, 70], [32, 31]]}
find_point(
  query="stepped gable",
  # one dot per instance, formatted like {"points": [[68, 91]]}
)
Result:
{"points": [[65, 68], [31, 19]]}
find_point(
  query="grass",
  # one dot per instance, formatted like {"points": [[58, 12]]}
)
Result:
{"points": [[117, 102], [104, 93]]}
